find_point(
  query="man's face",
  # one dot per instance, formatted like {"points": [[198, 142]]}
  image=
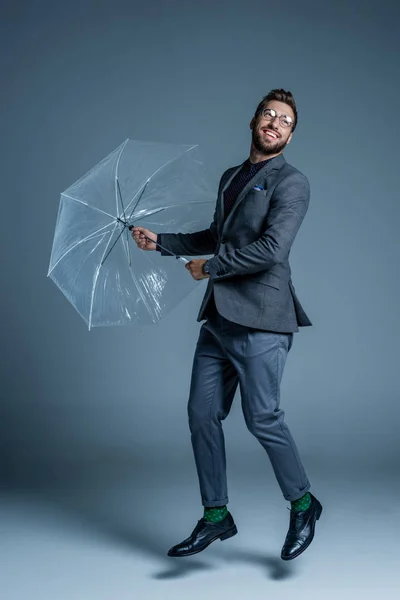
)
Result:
{"points": [[268, 136]]}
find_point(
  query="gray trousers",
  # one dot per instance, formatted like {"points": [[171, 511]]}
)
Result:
{"points": [[228, 354]]}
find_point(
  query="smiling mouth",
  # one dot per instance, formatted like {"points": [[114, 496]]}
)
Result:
{"points": [[271, 135]]}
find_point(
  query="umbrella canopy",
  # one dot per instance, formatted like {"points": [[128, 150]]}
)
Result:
{"points": [[95, 262]]}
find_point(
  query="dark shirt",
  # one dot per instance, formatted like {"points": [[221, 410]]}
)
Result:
{"points": [[241, 179]]}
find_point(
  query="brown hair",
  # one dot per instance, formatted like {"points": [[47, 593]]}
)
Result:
{"points": [[279, 96]]}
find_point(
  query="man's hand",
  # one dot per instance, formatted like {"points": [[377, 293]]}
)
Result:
{"points": [[141, 235], [196, 268]]}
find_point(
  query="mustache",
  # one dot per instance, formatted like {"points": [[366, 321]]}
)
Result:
{"points": [[260, 135]]}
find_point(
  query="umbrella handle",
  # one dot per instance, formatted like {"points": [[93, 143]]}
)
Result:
{"points": [[184, 260]]}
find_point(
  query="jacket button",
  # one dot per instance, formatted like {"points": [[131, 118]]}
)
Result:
{"points": [[223, 240]]}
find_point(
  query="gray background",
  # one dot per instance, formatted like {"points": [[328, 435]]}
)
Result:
{"points": [[77, 79]]}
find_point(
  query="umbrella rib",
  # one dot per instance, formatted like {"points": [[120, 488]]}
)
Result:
{"points": [[94, 249], [120, 197], [96, 278], [140, 197], [89, 205], [150, 213], [128, 248], [157, 171], [104, 259], [91, 236], [116, 177]]}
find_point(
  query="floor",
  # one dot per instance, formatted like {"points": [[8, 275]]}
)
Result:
{"points": [[101, 529]]}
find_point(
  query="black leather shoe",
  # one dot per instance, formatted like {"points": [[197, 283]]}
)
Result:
{"points": [[301, 530], [203, 535]]}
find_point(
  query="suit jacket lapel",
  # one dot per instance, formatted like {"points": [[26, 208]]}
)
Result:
{"points": [[265, 172]]}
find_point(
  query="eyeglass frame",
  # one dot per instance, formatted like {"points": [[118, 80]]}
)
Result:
{"points": [[279, 115]]}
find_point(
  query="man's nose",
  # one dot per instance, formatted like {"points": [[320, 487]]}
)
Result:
{"points": [[273, 119]]}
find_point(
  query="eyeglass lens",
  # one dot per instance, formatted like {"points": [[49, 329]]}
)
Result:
{"points": [[269, 114]]}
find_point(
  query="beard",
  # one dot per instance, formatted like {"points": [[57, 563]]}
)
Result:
{"points": [[265, 145]]}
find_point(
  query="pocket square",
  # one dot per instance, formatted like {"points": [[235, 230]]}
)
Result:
{"points": [[258, 188]]}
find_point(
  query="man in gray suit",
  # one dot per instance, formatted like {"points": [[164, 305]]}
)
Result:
{"points": [[251, 312]]}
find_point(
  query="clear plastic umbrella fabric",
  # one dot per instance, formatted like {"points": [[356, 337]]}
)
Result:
{"points": [[94, 260]]}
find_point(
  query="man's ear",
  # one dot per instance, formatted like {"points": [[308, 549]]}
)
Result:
{"points": [[252, 123], [289, 138]]}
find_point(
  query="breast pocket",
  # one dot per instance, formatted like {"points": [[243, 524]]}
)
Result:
{"points": [[256, 193]]}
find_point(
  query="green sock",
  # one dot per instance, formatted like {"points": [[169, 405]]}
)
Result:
{"points": [[302, 503], [215, 514]]}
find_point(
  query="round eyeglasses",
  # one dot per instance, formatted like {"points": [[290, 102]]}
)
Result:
{"points": [[270, 114]]}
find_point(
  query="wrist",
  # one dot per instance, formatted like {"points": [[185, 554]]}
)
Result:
{"points": [[206, 268]]}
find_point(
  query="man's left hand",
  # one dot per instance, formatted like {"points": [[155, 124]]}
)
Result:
{"points": [[196, 268]]}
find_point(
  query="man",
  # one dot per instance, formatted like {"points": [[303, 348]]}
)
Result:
{"points": [[251, 313]]}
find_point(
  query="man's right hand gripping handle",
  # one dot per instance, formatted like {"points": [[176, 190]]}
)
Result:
{"points": [[144, 238]]}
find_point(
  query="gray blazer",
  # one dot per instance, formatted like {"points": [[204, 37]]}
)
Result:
{"points": [[250, 272]]}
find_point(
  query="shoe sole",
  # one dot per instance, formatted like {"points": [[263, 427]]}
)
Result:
{"points": [[222, 537], [296, 554]]}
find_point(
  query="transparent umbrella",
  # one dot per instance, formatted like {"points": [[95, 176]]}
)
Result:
{"points": [[95, 262]]}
